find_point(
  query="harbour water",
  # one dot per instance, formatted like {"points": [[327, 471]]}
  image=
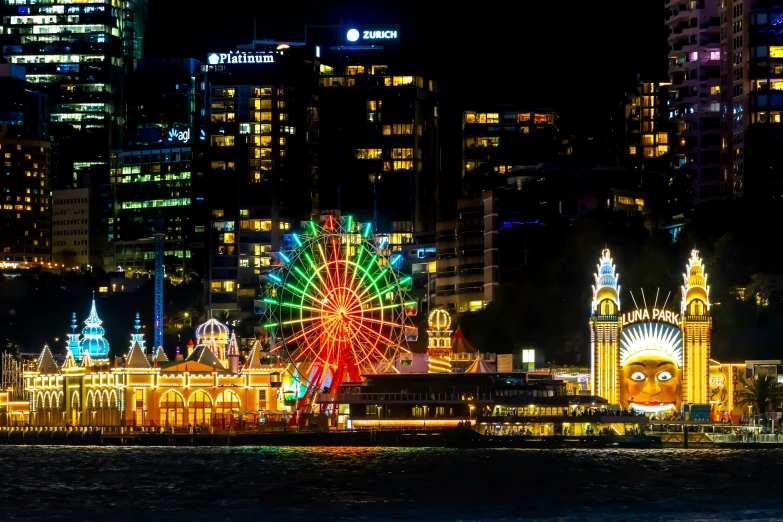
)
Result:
{"points": [[433, 484]]}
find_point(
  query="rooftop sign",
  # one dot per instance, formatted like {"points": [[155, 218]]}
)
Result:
{"points": [[354, 35], [240, 57]]}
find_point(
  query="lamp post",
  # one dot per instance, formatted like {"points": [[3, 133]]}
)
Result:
{"points": [[470, 415]]}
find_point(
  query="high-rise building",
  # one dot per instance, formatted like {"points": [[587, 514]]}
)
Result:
{"points": [[378, 125], [74, 229], [78, 53], [260, 162], [695, 99], [25, 222], [752, 90], [155, 172], [646, 123]]}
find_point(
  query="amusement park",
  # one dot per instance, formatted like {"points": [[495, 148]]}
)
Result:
{"points": [[336, 356]]}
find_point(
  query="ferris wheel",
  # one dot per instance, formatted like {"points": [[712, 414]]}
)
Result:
{"points": [[338, 306]]}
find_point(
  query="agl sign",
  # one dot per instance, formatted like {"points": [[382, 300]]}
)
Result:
{"points": [[183, 136]]}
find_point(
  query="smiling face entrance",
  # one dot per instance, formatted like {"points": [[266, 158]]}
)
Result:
{"points": [[650, 383]]}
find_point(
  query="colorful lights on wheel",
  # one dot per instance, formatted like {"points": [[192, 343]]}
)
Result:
{"points": [[338, 303]]}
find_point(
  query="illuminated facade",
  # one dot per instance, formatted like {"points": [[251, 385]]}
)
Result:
{"points": [[439, 341], [77, 53], [653, 359], [261, 141], [505, 136], [25, 221], [206, 388], [646, 122]]}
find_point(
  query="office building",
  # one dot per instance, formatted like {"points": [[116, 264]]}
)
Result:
{"points": [[25, 222], [78, 53], [467, 274], [260, 162], [503, 136], [74, 229], [752, 90], [153, 178], [695, 99], [646, 123], [378, 119]]}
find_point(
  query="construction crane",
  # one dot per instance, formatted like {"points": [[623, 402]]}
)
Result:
{"points": [[159, 231]]}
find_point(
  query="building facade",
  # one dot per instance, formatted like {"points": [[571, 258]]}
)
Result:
{"points": [[379, 137], [24, 111], [695, 97], [652, 359], [25, 227], [78, 54], [74, 231], [646, 122], [504, 136], [207, 388], [261, 145]]}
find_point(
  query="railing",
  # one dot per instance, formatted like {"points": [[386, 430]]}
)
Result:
{"points": [[747, 437], [375, 398]]}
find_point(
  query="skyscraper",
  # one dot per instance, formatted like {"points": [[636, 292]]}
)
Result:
{"points": [[78, 53], [378, 150], [694, 106], [261, 141]]}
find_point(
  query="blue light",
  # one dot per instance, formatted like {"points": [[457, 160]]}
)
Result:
{"points": [[274, 278], [396, 260], [352, 35], [284, 257]]}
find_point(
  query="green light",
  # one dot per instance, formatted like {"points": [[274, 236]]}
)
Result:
{"points": [[405, 280], [409, 303], [295, 289], [312, 227], [350, 222], [270, 325], [367, 230], [270, 301]]}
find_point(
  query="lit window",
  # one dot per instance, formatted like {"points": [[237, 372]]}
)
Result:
{"points": [[368, 153], [776, 51], [103, 289]]}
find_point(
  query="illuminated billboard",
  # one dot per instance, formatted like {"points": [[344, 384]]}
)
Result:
{"points": [[651, 363]]}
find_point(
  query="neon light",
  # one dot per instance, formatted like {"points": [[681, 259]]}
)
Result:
{"points": [[298, 241], [274, 278], [340, 308], [270, 301], [284, 257], [405, 280]]}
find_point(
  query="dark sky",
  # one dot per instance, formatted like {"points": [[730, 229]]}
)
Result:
{"points": [[576, 57]]}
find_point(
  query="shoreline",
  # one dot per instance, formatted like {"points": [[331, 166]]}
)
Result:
{"points": [[429, 438]]}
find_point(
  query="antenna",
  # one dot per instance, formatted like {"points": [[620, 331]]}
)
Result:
{"points": [[644, 299], [634, 299], [667, 299]]}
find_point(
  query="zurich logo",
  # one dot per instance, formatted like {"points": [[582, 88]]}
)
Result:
{"points": [[214, 59], [352, 35]]}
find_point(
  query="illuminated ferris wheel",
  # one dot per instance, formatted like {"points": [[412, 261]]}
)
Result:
{"points": [[338, 305]]}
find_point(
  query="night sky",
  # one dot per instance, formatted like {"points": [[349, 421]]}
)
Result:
{"points": [[576, 57]]}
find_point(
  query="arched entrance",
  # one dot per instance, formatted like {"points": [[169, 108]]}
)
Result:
{"points": [[172, 409], [200, 409], [76, 409], [225, 411]]}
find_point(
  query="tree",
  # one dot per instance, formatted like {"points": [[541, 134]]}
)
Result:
{"points": [[761, 392]]}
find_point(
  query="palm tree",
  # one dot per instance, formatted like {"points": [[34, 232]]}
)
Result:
{"points": [[761, 392]]}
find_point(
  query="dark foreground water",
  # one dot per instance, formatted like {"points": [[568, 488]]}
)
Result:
{"points": [[373, 484]]}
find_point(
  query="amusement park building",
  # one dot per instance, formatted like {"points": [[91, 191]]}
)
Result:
{"points": [[656, 360], [206, 388]]}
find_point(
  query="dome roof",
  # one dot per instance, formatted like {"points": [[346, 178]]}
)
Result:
{"points": [[606, 292], [212, 329], [439, 319], [92, 340], [696, 292]]}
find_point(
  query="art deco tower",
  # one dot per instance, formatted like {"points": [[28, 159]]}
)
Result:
{"points": [[696, 330], [605, 322]]}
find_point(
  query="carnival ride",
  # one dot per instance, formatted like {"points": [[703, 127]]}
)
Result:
{"points": [[337, 306]]}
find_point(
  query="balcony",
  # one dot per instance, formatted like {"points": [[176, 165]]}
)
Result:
{"points": [[403, 398]]}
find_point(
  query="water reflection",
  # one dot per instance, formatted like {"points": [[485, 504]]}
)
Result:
{"points": [[194, 484]]}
